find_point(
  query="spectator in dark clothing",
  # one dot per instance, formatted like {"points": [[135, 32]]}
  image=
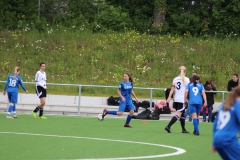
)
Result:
{"points": [[233, 82], [210, 100]]}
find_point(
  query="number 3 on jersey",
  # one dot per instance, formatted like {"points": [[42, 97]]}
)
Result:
{"points": [[178, 85], [223, 119]]}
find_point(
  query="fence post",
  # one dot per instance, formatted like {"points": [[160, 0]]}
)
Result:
{"points": [[151, 99], [39, 3], [79, 98], [222, 97]]}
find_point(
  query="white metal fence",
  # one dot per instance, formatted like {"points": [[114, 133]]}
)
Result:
{"points": [[80, 86]]}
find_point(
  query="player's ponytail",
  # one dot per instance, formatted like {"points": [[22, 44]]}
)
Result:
{"points": [[195, 80], [16, 71], [182, 70], [130, 77], [233, 95]]}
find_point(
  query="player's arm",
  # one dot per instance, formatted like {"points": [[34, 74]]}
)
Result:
{"points": [[134, 95], [170, 94], [120, 95], [204, 98], [22, 85], [6, 86], [185, 96], [214, 130]]}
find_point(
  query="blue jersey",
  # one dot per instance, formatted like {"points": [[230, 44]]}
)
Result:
{"points": [[195, 93], [226, 125], [13, 84], [126, 88]]}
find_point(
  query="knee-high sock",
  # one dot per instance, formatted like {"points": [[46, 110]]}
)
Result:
{"points": [[112, 112], [173, 120], [182, 120], [41, 112], [128, 119], [10, 108], [14, 110], [195, 124]]}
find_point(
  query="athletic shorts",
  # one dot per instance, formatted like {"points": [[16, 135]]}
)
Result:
{"points": [[128, 103], [13, 97], [41, 92], [195, 108], [179, 107]]}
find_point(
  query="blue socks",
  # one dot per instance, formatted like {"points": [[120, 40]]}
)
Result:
{"points": [[195, 124], [14, 110], [128, 119], [112, 112], [10, 109]]}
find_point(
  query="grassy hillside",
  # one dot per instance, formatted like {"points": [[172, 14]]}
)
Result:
{"points": [[77, 56]]}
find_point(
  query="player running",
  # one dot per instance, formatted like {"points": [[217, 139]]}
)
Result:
{"points": [[125, 90], [12, 85], [196, 92], [179, 85]]}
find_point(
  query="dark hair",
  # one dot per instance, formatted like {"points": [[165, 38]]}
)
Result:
{"points": [[235, 75], [208, 82], [130, 77], [231, 98], [194, 80], [41, 64]]}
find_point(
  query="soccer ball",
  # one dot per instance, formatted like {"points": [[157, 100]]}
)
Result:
{"points": [[100, 117]]}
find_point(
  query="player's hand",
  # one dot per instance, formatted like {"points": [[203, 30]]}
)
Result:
{"points": [[213, 149], [205, 104], [26, 91], [168, 100], [136, 100], [123, 99], [4, 93], [46, 88]]}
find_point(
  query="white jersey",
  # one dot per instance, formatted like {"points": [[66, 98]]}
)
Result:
{"points": [[41, 78], [180, 88]]}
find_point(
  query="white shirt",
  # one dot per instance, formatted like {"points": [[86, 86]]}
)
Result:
{"points": [[41, 78], [180, 88]]}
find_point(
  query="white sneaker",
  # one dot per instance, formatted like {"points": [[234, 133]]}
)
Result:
{"points": [[9, 117]]}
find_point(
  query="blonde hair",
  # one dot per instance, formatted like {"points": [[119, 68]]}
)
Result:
{"points": [[16, 71], [230, 101], [182, 70]]}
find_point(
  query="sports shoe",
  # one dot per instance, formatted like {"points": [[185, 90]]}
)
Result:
{"points": [[127, 125], [185, 131], [104, 113], [168, 129], [42, 117], [9, 117], [34, 114], [196, 133], [15, 116]]}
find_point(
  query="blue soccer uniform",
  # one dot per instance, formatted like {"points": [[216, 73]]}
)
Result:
{"points": [[225, 128], [12, 86], [195, 102], [126, 89]]}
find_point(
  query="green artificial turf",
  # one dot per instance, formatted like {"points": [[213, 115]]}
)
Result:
{"points": [[66, 137]]}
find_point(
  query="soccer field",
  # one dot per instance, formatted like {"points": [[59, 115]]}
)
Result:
{"points": [[69, 137]]}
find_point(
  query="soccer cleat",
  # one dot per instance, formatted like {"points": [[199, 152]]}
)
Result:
{"points": [[9, 117], [168, 129], [185, 131], [15, 116], [127, 125], [42, 117], [34, 114], [196, 133], [104, 113]]}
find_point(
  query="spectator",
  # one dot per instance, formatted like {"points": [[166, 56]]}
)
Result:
{"points": [[210, 100], [233, 82]]}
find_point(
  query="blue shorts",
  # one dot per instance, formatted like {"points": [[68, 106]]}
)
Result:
{"points": [[13, 97], [128, 103], [195, 108]]}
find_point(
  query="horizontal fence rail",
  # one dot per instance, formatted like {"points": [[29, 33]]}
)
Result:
{"points": [[101, 86]]}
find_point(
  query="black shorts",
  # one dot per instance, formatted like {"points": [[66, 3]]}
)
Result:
{"points": [[41, 92], [179, 107]]}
